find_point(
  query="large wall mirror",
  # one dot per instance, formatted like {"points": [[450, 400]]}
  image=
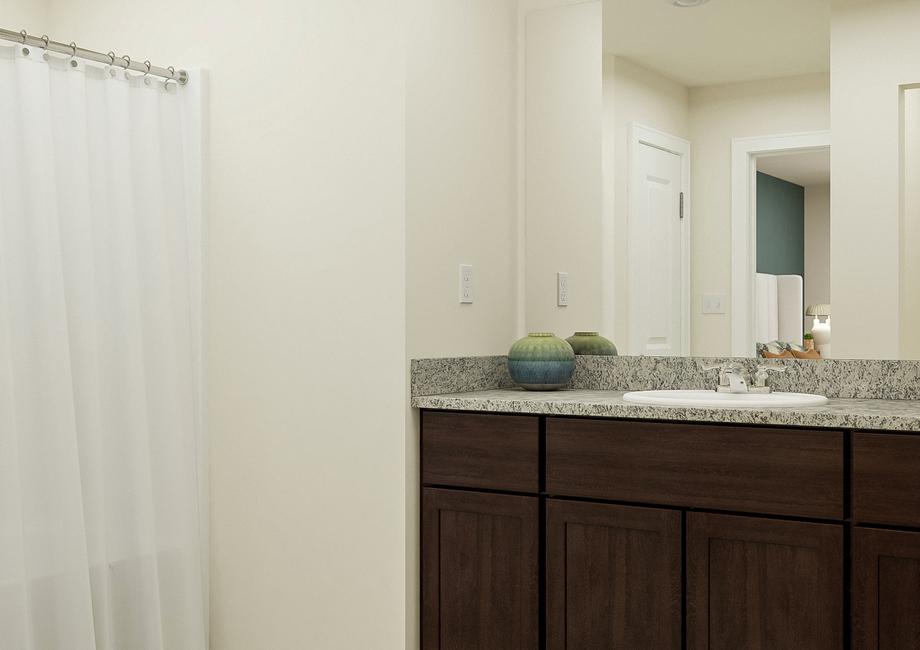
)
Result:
{"points": [[726, 177]]}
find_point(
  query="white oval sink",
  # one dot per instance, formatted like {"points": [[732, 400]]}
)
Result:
{"points": [[713, 399]]}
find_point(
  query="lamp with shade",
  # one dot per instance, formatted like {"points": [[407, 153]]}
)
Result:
{"points": [[821, 332]]}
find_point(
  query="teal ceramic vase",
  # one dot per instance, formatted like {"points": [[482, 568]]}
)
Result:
{"points": [[541, 362], [592, 343]]}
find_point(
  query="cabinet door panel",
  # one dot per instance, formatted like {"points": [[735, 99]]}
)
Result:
{"points": [[763, 583], [613, 576], [480, 570], [886, 590]]}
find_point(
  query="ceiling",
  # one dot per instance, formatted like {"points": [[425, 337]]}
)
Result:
{"points": [[809, 168], [721, 41]]}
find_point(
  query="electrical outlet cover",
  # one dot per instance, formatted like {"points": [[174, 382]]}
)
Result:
{"points": [[562, 289], [466, 284], [714, 303]]}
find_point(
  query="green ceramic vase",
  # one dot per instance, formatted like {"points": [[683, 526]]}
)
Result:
{"points": [[592, 343], [541, 361]]}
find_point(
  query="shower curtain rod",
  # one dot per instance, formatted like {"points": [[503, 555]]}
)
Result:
{"points": [[179, 76]]}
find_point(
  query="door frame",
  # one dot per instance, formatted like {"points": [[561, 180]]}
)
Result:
{"points": [[643, 135], [745, 152]]}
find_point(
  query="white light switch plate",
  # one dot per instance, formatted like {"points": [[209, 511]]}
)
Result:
{"points": [[714, 303], [466, 284], [562, 289]]}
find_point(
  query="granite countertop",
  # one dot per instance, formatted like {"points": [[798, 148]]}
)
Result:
{"points": [[870, 414]]}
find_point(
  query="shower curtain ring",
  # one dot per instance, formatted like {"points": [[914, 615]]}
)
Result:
{"points": [[73, 50], [127, 61], [45, 40], [24, 34], [111, 56], [147, 73]]}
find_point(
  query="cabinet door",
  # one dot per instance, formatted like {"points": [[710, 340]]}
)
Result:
{"points": [[886, 590], [763, 583], [480, 570], [613, 576]]}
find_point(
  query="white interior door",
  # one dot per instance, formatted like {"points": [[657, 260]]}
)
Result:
{"points": [[658, 323]]}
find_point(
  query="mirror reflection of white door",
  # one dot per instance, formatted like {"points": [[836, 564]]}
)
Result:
{"points": [[659, 229]]}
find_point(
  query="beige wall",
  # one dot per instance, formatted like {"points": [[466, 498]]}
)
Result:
{"points": [[817, 246], [525, 7], [461, 201], [30, 15], [718, 114], [632, 93], [910, 229], [307, 306], [563, 203], [874, 50]]}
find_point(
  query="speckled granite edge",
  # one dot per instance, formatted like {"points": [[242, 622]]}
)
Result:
{"points": [[458, 375], [835, 378], [871, 414]]}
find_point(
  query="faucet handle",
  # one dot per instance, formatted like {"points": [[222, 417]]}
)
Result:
{"points": [[721, 367], [762, 377], [725, 368]]}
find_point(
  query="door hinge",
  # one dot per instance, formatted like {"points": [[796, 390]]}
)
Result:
{"points": [[681, 205]]}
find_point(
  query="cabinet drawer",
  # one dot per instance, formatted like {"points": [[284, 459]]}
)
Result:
{"points": [[500, 452], [886, 468], [771, 471]]}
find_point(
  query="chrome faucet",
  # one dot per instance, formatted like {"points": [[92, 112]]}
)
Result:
{"points": [[733, 378], [737, 382]]}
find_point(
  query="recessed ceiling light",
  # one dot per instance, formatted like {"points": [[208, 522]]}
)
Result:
{"points": [[688, 3]]}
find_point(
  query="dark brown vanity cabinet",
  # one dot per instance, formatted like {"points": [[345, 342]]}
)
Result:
{"points": [[584, 533], [480, 548], [886, 589], [481, 570], [886, 563], [886, 479], [613, 576], [763, 583]]}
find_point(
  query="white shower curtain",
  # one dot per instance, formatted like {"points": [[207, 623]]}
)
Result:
{"points": [[101, 524]]}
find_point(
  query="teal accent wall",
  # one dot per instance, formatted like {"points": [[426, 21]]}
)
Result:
{"points": [[780, 226]]}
